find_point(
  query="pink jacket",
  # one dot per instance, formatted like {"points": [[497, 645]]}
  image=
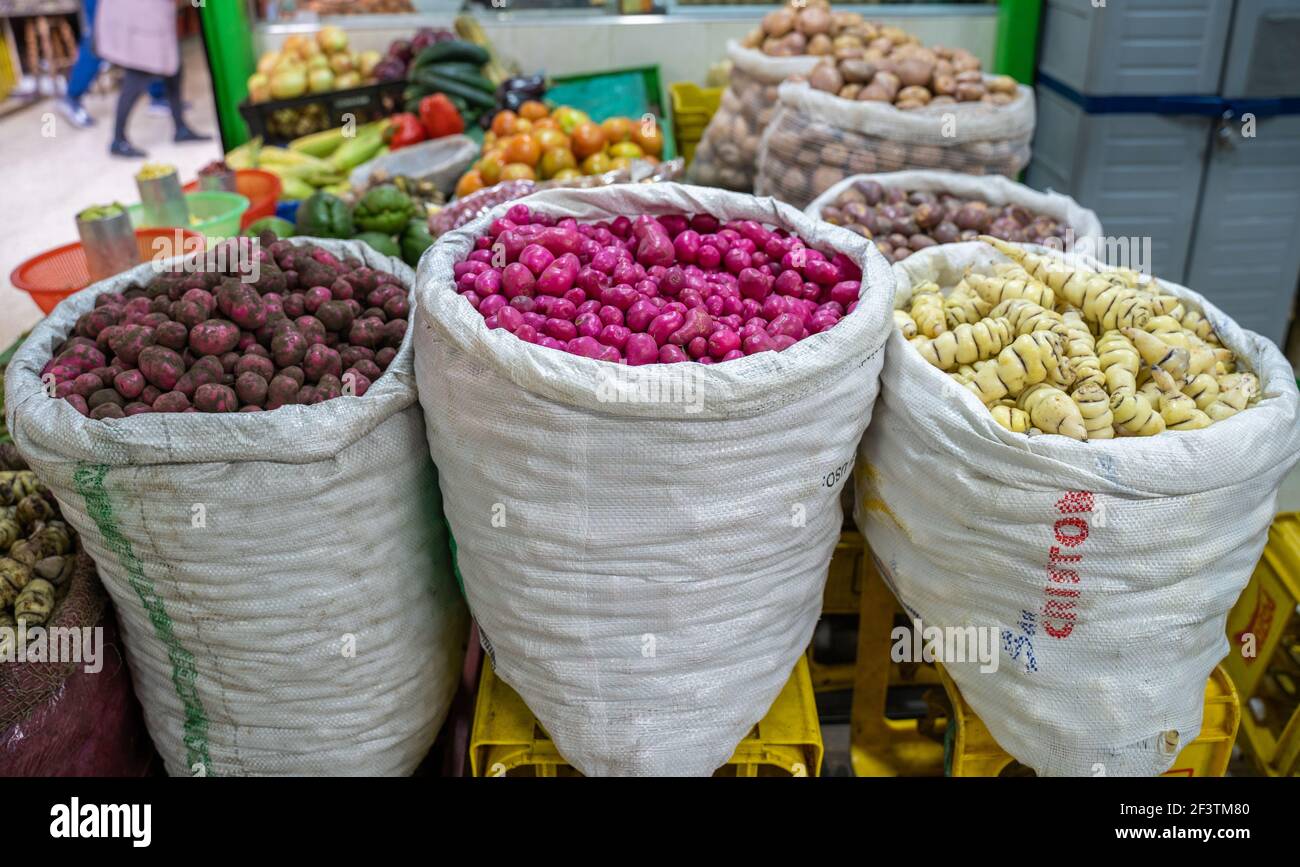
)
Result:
{"points": [[138, 34]]}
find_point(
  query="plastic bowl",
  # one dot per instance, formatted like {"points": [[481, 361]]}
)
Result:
{"points": [[261, 188], [212, 212], [51, 276]]}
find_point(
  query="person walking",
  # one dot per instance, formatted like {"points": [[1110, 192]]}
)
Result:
{"points": [[83, 73], [140, 36]]}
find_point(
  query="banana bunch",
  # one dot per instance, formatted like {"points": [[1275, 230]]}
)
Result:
{"points": [[1060, 349]]}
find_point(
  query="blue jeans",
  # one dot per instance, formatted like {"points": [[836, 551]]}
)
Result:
{"points": [[87, 63]]}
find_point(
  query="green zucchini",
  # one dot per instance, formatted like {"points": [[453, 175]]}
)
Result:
{"points": [[469, 77], [455, 51], [429, 79]]}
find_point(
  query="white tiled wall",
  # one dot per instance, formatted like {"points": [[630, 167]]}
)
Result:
{"points": [[683, 47]]}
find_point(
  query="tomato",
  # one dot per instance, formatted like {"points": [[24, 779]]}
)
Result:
{"points": [[523, 149], [470, 182], [628, 149], [523, 125], [649, 137], [504, 122], [489, 167], [533, 110], [566, 175], [595, 164], [587, 139], [618, 163], [517, 172], [550, 138], [569, 118], [617, 129], [556, 160], [546, 123]]}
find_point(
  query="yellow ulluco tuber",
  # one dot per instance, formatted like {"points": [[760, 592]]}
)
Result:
{"points": [[1103, 303], [966, 343], [1109, 354], [927, 310], [1094, 407], [963, 306], [1012, 418], [1179, 411], [995, 290], [1134, 415], [1052, 411], [1030, 359], [904, 322], [1119, 362]]}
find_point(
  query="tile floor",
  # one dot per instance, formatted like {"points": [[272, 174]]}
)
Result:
{"points": [[49, 170]]}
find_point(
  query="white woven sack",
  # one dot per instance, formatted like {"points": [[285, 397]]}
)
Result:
{"points": [[309, 624], [729, 144], [816, 138], [645, 574], [994, 189], [1108, 566]]}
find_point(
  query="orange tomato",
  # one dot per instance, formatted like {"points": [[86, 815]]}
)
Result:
{"points": [[533, 110], [618, 163], [545, 123], [518, 172], [649, 137], [550, 138], [523, 149], [556, 160], [489, 167], [617, 129], [470, 182], [566, 175], [523, 124], [595, 164], [489, 139], [587, 139], [504, 122]]}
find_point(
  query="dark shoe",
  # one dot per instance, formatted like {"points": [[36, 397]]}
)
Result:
{"points": [[123, 148], [185, 134]]}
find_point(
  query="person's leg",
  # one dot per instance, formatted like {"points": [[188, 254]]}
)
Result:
{"points": [[134, 83], [183, 133], [83, 72]]}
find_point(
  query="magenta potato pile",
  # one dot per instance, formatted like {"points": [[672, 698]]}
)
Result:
{"points": [[649, 290], [314, 326]]}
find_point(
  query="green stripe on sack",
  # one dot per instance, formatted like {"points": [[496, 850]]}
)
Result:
{"points": [[89, 481]]}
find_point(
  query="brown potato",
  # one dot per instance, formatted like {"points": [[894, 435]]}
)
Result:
{"points": [[753, 39], [825, 76], [850, 91], [969, 77], [848, 53], [1002, 84], [914, 72], [970, 92], [820, 45], [857, 71], [915, 94], [875, 93], [814, 20], [943, 85], [795, 42], [779, 22], [824, 178]]}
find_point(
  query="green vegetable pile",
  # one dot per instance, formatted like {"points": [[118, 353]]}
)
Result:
{"points": [[385, 217]]}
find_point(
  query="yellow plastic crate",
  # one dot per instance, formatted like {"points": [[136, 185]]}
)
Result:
{"points": [[976, 754], [880, 746], [508, 741], [1268, 614], [693, 107], [840, 597]]}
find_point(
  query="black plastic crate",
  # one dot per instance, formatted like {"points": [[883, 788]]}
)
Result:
{"points": [[279, 121]]}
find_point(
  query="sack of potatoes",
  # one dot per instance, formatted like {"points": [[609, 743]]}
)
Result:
{"points": [[790, 41], [886, 110], [905, 212]]}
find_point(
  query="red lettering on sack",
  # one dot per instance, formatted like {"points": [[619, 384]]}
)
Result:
{"points": [[1058, 615]]}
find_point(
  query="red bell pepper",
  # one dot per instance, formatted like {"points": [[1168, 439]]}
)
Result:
{"points": [[440, 117], [407, 130]]}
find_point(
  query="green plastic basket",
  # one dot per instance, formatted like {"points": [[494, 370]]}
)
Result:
{"points": [[215, 213], [629, 92]]}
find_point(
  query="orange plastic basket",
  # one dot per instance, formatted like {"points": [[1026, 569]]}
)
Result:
{"points": [[261, 188], [51, 276]]}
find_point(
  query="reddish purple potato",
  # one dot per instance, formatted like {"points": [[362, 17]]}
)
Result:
{"points": [[212, 342]]}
